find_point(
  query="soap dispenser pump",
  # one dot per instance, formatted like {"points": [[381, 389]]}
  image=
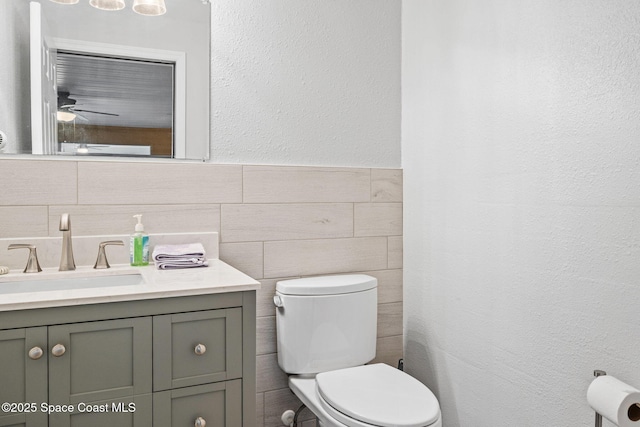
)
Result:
{"points": [[139, 245]]}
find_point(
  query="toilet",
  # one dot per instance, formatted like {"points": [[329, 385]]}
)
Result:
{"points": [[326, 333]]}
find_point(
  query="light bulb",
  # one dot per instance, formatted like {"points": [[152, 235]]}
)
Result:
{"points": [[108, 4], [65, 1], [149, 7], [65, 116]]}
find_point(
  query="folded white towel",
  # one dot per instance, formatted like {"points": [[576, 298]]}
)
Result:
{"points": [[188, 255], [172, 265]]}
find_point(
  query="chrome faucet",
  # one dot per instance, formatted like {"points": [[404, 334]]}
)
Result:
{"points": [[66, 258]]}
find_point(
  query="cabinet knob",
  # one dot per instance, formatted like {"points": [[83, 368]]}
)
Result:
{"points": [[200, 422], [200, 350], [35, 353], [58, 350]]}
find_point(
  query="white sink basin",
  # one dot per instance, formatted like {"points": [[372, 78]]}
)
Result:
{"points": [[68, 283]]}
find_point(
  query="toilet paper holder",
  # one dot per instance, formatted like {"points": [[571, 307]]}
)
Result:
{"points": [[598, 373], [632, 411]]}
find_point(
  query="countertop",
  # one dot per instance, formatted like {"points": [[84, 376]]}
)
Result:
{"points": [[218, 277]]}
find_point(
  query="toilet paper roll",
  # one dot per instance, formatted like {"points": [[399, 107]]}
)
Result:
{"points": [[616, 401]]}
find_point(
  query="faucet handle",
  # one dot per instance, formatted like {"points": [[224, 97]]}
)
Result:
{"points": [[33, 266], [101, 261]]}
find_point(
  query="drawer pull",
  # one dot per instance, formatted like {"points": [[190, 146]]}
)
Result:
{"points": [[200, 350], [35, 353], [58, 350], [200, 422]]}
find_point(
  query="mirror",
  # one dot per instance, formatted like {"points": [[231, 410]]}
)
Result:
{"points": [[178, 42]]}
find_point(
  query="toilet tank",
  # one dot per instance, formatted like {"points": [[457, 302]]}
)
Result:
{"points": [[325, 323]]}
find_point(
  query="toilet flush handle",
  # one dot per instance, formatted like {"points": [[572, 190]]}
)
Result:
{"points": [[277, 301]]}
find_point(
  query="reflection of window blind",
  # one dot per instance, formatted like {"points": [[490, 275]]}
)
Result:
{"points": [[116, 91]]}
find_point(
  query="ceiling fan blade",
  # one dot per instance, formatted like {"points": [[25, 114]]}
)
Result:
{"points": [[68, 101], [96, 112]]}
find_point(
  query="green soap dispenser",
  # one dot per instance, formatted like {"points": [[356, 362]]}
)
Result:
{"points": [[139, 245]]}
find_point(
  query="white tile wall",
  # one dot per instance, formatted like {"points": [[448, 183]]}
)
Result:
{"points": [[386, 185], [38, 182], [275, 222], [158, 183], [321, 256], [287, 184], [395, 252], [102, 219], [248, 257], [378, 219], [23, 221], [286, 221]]}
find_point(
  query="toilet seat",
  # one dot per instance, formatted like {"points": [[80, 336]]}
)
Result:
{"points": [[376, 395]]}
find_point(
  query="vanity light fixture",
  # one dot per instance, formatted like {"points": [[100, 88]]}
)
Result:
{"points": [[149, 7], [107, 4], [142, 7]]}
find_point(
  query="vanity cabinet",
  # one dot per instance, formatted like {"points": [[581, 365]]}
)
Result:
{"points": [[22, 376], [183, 361]]}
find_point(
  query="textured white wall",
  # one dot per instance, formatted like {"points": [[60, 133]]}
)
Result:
{"points": [[14, 71], [522, 204], [313, 82]]}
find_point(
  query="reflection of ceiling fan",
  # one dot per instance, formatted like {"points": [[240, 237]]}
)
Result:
{"points": [[67, 105]]}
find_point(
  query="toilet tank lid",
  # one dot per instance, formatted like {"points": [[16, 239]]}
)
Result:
{"points": [[327, 285]]}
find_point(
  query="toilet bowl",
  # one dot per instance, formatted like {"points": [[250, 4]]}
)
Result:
{"points": [[367, 396], [326, 335]]}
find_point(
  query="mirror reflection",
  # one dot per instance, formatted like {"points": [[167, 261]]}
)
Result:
{"points": [[110, 82], [114, 106]]}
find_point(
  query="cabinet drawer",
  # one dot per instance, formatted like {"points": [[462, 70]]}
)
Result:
{"points": [[218, 404], [196, 348]]}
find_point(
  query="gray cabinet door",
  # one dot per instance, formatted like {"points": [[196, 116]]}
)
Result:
{"points": [[219, 405], [101, 360], [22, 378], [176, 337]]}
